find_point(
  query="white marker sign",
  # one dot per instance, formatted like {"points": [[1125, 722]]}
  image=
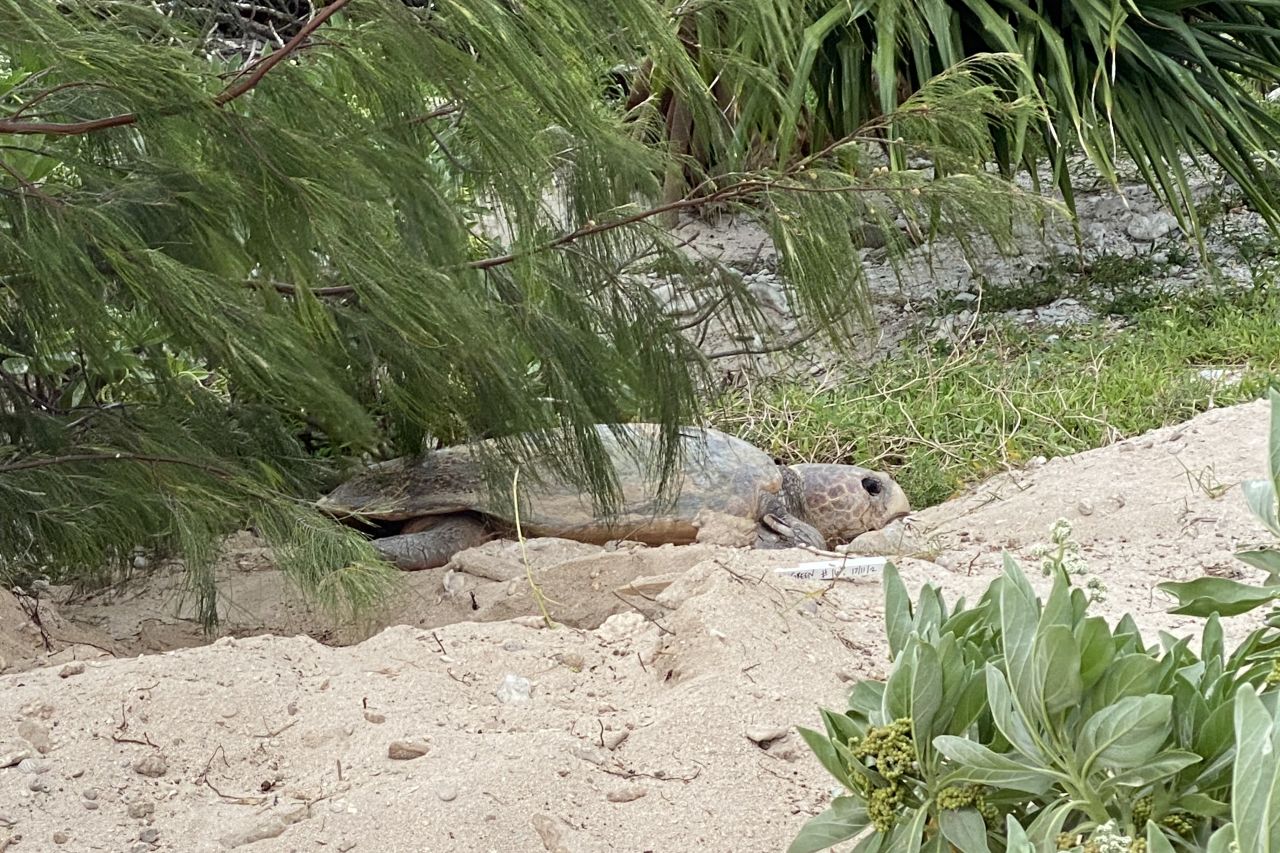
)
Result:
{"points": [[825, 570]]}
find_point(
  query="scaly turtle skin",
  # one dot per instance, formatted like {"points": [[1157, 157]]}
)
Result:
{"points": [[443, 503]]}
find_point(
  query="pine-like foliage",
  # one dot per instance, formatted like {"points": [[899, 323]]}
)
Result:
{"points": [[221, 270]]}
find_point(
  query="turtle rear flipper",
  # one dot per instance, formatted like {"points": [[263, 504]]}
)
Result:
{"points": [[433, 541]]}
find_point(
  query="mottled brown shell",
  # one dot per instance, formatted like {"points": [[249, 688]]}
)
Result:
{"points": [[718, 472]]}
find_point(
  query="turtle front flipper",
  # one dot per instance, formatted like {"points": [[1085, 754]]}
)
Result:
{"points": [[780, 523], [433, 541], [787, 531]]}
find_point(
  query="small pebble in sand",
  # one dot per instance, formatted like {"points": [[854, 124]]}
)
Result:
{"points": [[61, 838], [765, 735], [150, 835], [141, 810], [36, 735], [447, 792], [9, 759], [406, 750], [76, 667], [153, 766], [572, 660], [374, 717], [626, 794]]}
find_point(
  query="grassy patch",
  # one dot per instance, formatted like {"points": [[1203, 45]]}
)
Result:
{"points": [[940, 421], [1112, 284]]}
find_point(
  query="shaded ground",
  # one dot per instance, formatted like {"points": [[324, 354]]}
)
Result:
{"points": [[659, 713]]}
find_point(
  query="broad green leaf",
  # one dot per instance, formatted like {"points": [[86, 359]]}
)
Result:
{"points": [[1134, 674], [907, 835], [1008, 719], [869, 844], [1018, 619], [969, 704], [963, 623], [1202, 805], [1043, 831], [926, 693], [866, 698], [897, 610], [1125, 735], [1223, 841], [955, 669], [1166, 764], [1211, 644], [1260, 495], [1267, 559], [966, 829], [1255, 800], [1097, 650], [1017, 841], [928, 611], [1127, 629], [1217, 733], [1157, 842], [977, 763], [1058, 666], [839, 726], [826, 754], [842, 820], [897, 690], [1273, 438], [1208, 595]]}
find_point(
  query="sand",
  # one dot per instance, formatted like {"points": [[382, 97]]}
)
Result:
{"points": [[659, 712]]}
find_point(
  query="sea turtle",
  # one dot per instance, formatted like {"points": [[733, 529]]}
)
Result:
{"points": [[439, 504]]}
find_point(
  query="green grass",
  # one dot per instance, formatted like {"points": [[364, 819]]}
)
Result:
{"points": [[1112, 284], [942, 420]]}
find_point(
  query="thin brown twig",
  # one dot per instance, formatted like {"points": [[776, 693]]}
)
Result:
{"points": [[231, 798], [268, 734], [53, 90], [785, 344], [439, 112], [646, 616], [72, 458], [259, 70]]}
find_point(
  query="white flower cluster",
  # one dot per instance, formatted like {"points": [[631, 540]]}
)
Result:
{"points": [[1063, 552], [1109, 839]]}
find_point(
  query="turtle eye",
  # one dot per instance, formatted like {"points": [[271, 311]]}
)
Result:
{"points": [[872, 485]]}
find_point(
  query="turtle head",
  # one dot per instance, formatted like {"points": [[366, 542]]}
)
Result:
{"points": [[845, 501]]}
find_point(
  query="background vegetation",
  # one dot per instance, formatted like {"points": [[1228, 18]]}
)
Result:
{"points": [[228, 262], [243, 250], [240, 251]]}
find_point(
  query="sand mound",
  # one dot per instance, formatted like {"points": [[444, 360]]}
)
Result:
{"points": [[656, 717]]}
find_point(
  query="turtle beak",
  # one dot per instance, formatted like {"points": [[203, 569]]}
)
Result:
{"points": [[896, 504]]}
